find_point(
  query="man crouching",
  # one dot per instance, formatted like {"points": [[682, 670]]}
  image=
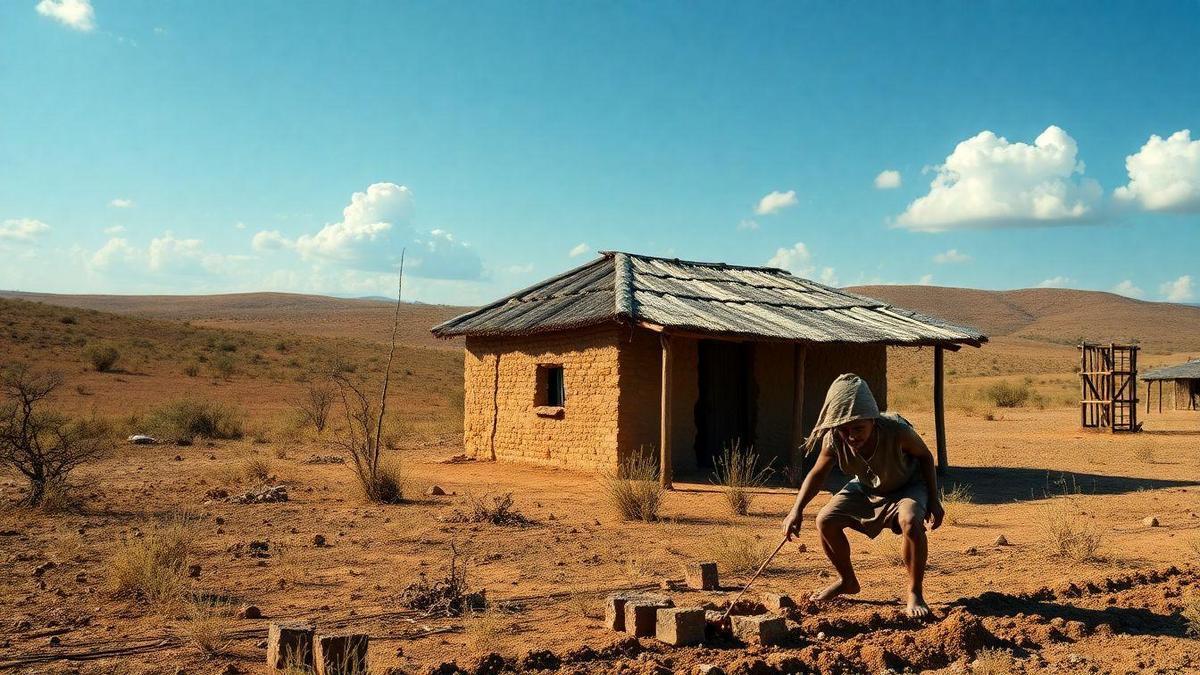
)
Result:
{"points": [[893, 485]]}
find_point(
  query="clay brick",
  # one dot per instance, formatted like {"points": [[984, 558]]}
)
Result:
{"points": [[340, 654], [761, 629], [703, 576], [641, 615], [777, 601], [679, 627], [289, 645], [614, 611]]}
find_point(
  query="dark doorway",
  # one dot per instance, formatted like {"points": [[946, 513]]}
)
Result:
{"points": [[725, 407]]}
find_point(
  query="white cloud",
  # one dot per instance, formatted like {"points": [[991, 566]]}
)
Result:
{"points": [[22, 229], [775, 201], [1056, 282], [1128, 289], [121, 203], [115, 229], [239, 225], [114, 250], [925, 280], [578, 250], [798, 260], [747, 224], [951, 256], [375, 226], [1179, 290], [989, 182], [269, 240], [77, 14], [888, 179], [1164, 175]]}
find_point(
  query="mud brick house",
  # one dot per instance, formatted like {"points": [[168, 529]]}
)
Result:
{"points": [[1185, 381], [632, 352]]}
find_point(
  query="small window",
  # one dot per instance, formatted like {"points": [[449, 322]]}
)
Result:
{"points": [[551, 389]]}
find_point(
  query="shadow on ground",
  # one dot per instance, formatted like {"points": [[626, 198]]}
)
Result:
{"points": [[1001, 485]]}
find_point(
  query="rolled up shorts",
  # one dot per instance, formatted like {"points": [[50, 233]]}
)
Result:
{"points": [[870, 513]]}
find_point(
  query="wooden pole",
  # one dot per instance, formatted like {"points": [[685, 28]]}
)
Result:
{"points": [[798, 355], [939, 408], [1148, 384], [664, 432], [1160, 395]]}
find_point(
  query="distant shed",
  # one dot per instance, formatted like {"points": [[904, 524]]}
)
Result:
{"points": [[1185, 394], [632, 351]]}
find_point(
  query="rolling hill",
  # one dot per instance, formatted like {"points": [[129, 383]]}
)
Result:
{"points": [[1056, 315]]}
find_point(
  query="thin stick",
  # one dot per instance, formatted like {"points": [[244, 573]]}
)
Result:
{"points": [[387, 374], [752, 579]]}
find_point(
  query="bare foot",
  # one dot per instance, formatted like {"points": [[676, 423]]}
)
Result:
{"points": [[839, 587], [917, 608]]}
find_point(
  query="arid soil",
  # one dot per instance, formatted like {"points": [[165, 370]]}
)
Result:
{"points": [[546, 580]]}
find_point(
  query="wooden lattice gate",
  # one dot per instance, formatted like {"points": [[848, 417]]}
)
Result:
{"points": [[1108, 395]]}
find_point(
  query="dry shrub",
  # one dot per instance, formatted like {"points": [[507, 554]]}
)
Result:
{"points": [[956, 499], [188, 418], [1191, 615], [208, 626], [633, 489], [993, 662], [449, 596], [1005, 394], [1070, 535], [151, 567], [256, 469], [387, 485], [102, 356], [737, 471], [317, 403], [494, 509], [739, 554]]}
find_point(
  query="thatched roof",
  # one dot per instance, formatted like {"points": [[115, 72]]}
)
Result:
{"points": [[1180, 371], [705, 298]]}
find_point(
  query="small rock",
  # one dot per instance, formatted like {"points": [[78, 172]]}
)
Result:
{"points": [[178, 458], [194, 571], [55, 641], [1001, 541], [435, 491], [708, 669], [142, 439], [1150, 521], [971, 550], [219, 520], [318, 540], [249, 612], [802, 549], [44, 567]]}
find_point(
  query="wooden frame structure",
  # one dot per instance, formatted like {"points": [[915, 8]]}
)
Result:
{"points": [[1108, 387]]}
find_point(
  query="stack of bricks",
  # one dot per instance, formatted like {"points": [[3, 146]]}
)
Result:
{"points": [[648, 615], [292, 646]]}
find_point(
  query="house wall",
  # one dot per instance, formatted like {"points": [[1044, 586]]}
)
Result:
{"points": [[641, 379], [1183, 398], [823, 363], [500, 380]]}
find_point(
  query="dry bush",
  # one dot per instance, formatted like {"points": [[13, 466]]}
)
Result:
{"points": [[633, 489], [381, 480], [738, 473], [208, 626], [956, 499], [316, 404], [449, 596], [255, 469], [187, 418], [1070, 535], [494, 509], [738, 554], [152, 567], [1191, 615], [1005, 394], [102, 356], [993, 662], [43, 446]]}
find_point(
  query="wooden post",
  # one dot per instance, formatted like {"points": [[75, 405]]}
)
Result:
{"points": [[939, 408], [664, 419], [798, 355], [1148, 396], [1160, 395]]}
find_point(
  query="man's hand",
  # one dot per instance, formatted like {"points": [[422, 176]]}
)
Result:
{"points": [[936, 514], [791, 524]]}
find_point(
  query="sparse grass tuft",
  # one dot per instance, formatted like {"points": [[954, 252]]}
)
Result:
{"points": [[738, 554], [1070, 535], [485, 630], [208, 626], [993, 662], [387, 485], [955, 499], [737, 471], [188, 418], [256, 469], [152, 567], [494, 509], [1191, 615], [633, 489], [1005, 394], [449, 596]]}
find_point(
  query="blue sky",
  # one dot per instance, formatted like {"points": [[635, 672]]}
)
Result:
{"points": [[150, 147]]}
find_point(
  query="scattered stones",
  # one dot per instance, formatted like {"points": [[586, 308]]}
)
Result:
{"points": [[249, 612], [289, 644], [217, 495], [1001, 541], [777, 601], [142, 439], [641, 614], [702, 576], [267, 494], [680, 626], [325, 459], [259, 549], [435, 491], [1150, 521], [340, 654], [762, 629]]}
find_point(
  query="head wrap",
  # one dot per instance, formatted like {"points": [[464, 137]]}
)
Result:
{"points": [[849, 399]]}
